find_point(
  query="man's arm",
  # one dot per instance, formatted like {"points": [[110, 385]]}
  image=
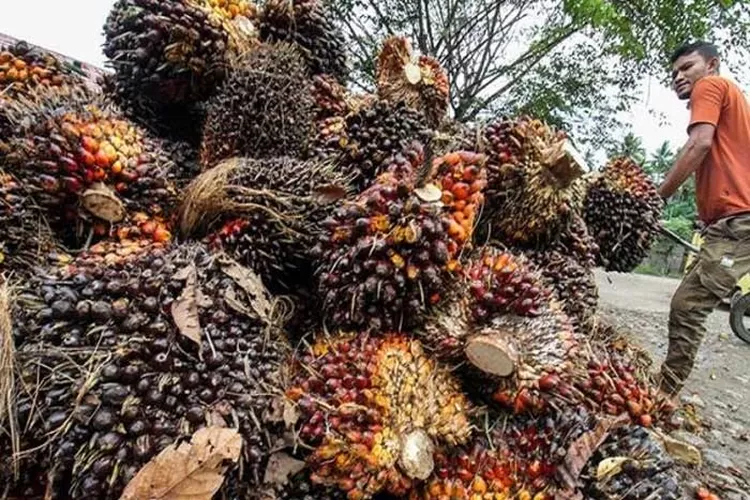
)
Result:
{"points": [[690, 158]]}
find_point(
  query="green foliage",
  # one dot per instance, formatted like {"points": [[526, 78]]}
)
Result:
{"points": [[575, 63]]}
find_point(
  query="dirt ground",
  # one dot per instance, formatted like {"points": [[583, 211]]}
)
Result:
{"points": [[719, 387]]}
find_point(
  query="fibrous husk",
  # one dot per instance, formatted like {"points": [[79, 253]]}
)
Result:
{"points": [[374, 410], [420, 82], [86, 165], [388, 256], [308, 25], [174, 51], [107, 376], [533, 186], [264, 108], [266, 213], [622, 212]]}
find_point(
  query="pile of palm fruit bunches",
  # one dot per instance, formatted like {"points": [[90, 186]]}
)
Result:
{"points": [[381, 302]]}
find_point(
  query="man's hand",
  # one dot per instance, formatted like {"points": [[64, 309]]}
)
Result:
{"points": [[690, 158]]}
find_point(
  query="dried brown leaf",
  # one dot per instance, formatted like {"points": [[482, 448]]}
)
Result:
{"points": [[188, 471], [252, 285], [280, 467], [581, 450], [325, 195], [185, 309]]}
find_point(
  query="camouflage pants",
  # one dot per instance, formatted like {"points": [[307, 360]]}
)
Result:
{"points": [[724, 258]]}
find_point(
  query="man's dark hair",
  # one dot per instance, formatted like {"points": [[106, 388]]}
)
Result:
{"points": [[705, 49]]}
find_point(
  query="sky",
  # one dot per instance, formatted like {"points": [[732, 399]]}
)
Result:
{"points": [[74, 28]]}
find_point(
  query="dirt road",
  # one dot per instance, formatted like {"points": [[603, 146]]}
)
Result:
{"points": [[720, 384]]}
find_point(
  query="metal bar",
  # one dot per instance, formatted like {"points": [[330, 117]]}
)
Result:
{"points": [[677, 239]]}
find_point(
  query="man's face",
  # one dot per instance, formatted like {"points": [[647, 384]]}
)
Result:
{"points": [[688, 69]]}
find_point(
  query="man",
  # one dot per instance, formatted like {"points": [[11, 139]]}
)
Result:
{"points": [[718, 152]]}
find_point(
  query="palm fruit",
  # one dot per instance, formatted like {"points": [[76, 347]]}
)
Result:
{"points": [[79, 159], [575, 241], [501, 282], [421, 83], [330, 97], [514, 458], [128, 357], [266, 213], [174, 51], [300, 487], [618, 378], [264, 109], [646, 470], [622, 212], [574, 284], [373, 409], [461, 177], [377, 132], [24, 68], [26, 240], [532, 189], [308, 25], [329, 139], [386, 256]]}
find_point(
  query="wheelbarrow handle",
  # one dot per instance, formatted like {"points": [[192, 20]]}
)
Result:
{"points": [[677, 239]]}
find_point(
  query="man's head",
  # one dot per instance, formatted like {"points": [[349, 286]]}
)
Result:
{"points": [[690, 63]]}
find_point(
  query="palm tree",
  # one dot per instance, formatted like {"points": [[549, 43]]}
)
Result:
{"points": [[632, 147], [661, 161]]}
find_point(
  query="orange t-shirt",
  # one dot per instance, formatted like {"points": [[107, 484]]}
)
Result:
{"points": [[723, 180]]}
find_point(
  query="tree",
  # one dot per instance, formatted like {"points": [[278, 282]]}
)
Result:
{"points": [[575, 63], [631, 147]]}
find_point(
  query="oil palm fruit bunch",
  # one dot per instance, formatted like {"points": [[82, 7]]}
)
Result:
{"points": [[543, 354], [419, 82], [387, 256], [618, 379], [497, 284], [643, 469], [177, 122], [373, 410], [576, 241], [514, 458], [127, 358], [532, 189], [330, 97], [574, 284], [501, 283], [264, 109], [329, 139], [174, 51], [622, 212], [265, 213], [81, 160], [377, 132], [461, 177], [308, 25], [26, 240], [301, 487], [23, 68]]}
